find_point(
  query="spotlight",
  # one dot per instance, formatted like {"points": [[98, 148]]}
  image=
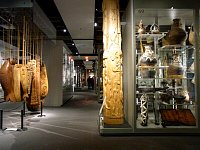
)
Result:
{"points": [[95, 24]]}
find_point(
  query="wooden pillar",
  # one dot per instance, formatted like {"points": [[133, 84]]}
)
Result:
{"points": [[112, 64]]}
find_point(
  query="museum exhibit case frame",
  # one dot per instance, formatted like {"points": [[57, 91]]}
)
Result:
{"points": [[160, 75]]}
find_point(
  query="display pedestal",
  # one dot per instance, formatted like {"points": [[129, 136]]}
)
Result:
{"points": [[24, 108], [1, 119], [41, 110], [22, 122], [12, 129]]}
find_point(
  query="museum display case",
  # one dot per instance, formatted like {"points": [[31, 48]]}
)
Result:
{"points": [[160, 79], [165, 85], [68, 70]]}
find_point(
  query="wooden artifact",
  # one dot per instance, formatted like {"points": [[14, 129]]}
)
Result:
{"points": [[24, 81], [16, 82], [43, 81], [112, 64], [6, 80]]}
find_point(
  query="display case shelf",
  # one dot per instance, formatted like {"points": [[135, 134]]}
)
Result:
{"points": [[149, 35]]}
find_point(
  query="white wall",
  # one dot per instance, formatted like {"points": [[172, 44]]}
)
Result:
{"points": [[53, 57]]}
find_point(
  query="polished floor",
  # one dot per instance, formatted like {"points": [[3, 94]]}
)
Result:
{"points": [[74, 127]]}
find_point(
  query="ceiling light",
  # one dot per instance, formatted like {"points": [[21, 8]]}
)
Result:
{"points": [[95, 24], [76, 52], [64, 30], [72, 43]]}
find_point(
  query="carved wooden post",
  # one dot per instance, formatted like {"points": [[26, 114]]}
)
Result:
{"points": [[112, 64]]}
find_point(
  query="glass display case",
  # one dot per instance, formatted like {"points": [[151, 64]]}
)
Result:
{"points": [[165, 84]]}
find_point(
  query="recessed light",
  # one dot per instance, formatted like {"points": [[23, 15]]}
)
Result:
{"points": [[95, 24], [72, 43], [64, 30]]}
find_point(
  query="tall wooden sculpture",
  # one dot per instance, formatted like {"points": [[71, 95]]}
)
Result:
{"points": [[112, 64]]}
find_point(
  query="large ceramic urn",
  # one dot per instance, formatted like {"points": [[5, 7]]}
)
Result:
{"points": [[147, 62], [176, 35]]}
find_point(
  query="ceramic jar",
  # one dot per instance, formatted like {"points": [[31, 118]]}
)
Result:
{"points": [[147, 62], [176, 35]]}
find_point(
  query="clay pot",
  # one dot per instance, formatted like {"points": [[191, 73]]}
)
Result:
{"points": [[176, 35], [147, 62], [148, 57]]}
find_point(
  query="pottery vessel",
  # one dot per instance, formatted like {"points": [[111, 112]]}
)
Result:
{"points": [[176, 35], [147, 62]]}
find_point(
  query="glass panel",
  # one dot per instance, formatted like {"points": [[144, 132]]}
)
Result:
{"points": [[165, 74]]}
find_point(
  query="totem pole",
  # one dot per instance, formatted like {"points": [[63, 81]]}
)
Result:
{"points": [[112, 64]]}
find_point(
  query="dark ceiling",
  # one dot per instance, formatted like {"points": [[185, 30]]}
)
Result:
{"points": [[50, 9]]}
